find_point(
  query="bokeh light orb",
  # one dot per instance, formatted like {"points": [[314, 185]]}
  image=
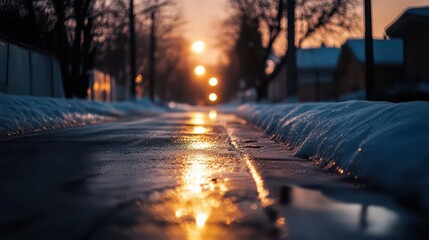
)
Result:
{"points": [[200, 70], [213, 97], [213, 81], [198, 46], [212, 114]]}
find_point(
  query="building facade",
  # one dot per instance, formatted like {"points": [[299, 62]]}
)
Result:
{"points": [[316, 74], [413, 27], [388, 71]]}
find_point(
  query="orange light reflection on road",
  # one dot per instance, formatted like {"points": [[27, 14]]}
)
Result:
{"points": [[201, 219], [203, 203], [200, 145], [201, 193], [263, 193], [201, 196], [198, 119], [199, 130]]}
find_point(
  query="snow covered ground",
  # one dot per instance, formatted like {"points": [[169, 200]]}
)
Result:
{"points": [[385, 144], [26, 114]]}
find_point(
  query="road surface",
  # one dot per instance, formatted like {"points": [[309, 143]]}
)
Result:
{"points": [[183, 176]]}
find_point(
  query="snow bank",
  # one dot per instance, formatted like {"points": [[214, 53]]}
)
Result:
{"points": [[385, 144], [26, 114]]}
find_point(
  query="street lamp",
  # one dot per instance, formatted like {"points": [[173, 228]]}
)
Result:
{"points": [[213, 97], [132, 43], [212, 114], [369, 52], [213, 81], [200, 70], [132, 49]]}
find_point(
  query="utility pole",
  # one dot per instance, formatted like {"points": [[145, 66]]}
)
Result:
{"points": [[133, 72], [132, 50], [291, 51], [152, 56], [369, 52]]}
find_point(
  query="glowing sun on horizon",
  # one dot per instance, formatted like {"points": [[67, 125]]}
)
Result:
{"points": [[198, 46]]}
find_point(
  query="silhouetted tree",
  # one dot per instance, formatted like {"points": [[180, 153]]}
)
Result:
{"points": [[250, 52], [172, 70], [317, 21], [169, 51], [73, 29], [113, 55]]}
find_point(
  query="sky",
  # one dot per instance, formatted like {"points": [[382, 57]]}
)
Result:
{"points": [[203, 16]]}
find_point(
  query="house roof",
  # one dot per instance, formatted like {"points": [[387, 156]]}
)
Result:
{"points": [[320, 58], [420, 12], [411, 17], [386, 52]]}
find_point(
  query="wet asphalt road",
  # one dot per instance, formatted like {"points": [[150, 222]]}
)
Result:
{"points": [[182, 176]]}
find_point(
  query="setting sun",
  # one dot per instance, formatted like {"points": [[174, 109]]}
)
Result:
{"points": [[198, 46], [200, 70], [213, 97]]}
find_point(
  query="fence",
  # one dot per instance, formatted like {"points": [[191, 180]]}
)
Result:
{"points": [[26, 71]]}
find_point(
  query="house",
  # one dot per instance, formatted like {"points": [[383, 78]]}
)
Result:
{"points": [[388, 69], [413, 27], [315, 75]]}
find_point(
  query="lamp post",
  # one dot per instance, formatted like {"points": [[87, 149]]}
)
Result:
{"points": [[152, 59], [369, 52], [291, 51], [132, 50], [133, 67]]}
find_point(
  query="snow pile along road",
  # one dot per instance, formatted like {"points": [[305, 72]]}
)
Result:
{"points": [[385, 144], [25, 114]]}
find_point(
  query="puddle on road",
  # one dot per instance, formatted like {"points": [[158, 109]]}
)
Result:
{"points": [[202, 206], [339, 217], [201, 197]]}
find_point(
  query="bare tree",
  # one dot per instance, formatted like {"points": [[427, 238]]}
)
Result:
{"points": [[327, 21], [170, 52], [73, 29], [318, 22], [161, 32], [115, 39]]}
